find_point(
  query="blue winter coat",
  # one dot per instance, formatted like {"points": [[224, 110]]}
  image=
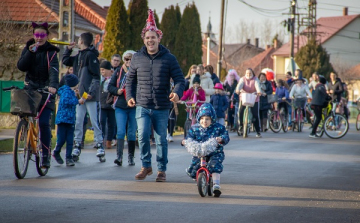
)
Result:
{"points": [[67, 106], [220, 103], [200, 134], [148, 81]]}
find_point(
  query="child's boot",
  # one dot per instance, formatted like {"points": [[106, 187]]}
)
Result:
{"points": [[216, 189]]}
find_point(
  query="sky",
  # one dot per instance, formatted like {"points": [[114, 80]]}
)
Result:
{"points": [[256, 14]]}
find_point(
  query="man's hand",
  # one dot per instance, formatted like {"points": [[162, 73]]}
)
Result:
{"points": [[131, 102], [120, 91], [71, 45], [89, 97], [331, 91], [52, 90], [174, 97]]}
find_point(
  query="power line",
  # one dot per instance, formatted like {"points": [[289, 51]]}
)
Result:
{"points": [[323, 3], [263, 11]]}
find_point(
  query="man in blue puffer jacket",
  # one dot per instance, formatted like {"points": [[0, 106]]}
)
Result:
{"points": [[148, 87]]}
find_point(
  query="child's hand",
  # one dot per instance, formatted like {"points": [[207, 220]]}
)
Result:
{"points": [[218, 139], [183, 142], [81, 101]]}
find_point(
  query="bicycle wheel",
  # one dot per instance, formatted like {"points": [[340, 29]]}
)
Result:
{"points": [[274, 122], [210, 187], [202, 185], [336, 126], [21, 151], [39, 168], [357, 124], [284, 121], [245, 122]]}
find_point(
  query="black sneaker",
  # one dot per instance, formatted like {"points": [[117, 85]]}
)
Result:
{"points": [[45, 162], [58, 158], [313, 136], [70, 162], [258, 135]]}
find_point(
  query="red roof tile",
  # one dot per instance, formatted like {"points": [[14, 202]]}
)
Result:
{"points": [[326, 27], [353, 73], [214, 59], [258, 62], [26, 10]]}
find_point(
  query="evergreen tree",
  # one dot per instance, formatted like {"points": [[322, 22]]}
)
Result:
{"points": [[178, 13], [188, 39], [117, 37], [313, 58], [137, 18], [169, 26], [158, 25]]}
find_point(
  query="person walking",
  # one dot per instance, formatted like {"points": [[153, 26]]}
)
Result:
{"points": [[148, 87], [230, 83], [125, 115], [40, 62], [220, 103], [266, 89], [86, 67], [190, 75]]}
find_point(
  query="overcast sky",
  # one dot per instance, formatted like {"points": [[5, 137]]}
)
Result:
{"points": [[271, 10]]}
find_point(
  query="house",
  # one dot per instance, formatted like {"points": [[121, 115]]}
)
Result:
{"points": [[339, 35], [352, 78]]}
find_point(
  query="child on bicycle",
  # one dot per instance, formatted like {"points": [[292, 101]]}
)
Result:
{"points": [[220, 103], [207, 138], [65, 119], [196, 93], [320, 101], [282, 91]]}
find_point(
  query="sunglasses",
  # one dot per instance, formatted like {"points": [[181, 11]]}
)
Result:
{"points": [[127, 59], [40, 35]]}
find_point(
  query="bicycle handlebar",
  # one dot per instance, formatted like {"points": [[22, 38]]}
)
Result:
{"points": [[44, 90], [190, 103]]}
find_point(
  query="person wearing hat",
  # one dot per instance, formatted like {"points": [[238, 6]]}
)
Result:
{"points": [[195, 93], [107, 113], [65, 119], [220, 103], [148, 88]]}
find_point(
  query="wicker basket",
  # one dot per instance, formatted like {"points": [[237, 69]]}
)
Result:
{"points": [[299, 102], [24, 102], [248, 99]]}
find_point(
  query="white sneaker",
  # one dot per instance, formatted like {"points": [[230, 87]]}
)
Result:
{"points": [[113, 143], [216, 189], [75, 152], [167, 137], [170, 139], [100, 152]]}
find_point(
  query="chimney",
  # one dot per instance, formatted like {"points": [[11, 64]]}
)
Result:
{"points": [[275, 43], [248, 41], [256, 42], [345, 11]]}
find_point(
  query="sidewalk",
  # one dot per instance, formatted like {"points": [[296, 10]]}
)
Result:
{"points": [[7, 134]]}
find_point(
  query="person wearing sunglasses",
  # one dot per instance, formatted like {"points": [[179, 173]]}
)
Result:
{"points": [[124, 115], [40, 62]]}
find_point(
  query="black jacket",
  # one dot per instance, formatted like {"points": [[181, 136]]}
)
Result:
{"points": [[215, 79], [103, 96], [86, 67], [149, 78], [337, 89], [264, 104], [113, 89], [39, 73], [319, 96]]}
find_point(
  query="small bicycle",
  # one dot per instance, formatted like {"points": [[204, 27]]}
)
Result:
{"points": [[248, 99], [333, 124], [191, 107], [297, 117], [204, 179], [25, 103], [274, 119]]}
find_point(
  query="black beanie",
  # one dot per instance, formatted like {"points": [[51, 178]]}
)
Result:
{"points": [[106, 65], [196, 79], [71, 80]]}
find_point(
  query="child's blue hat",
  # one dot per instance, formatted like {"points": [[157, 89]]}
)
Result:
{"points": [[71, 80]]}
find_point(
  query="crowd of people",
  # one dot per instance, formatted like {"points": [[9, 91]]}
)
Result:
{"points": [[133, 98]]}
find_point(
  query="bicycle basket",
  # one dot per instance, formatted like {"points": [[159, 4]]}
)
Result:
{"points": [[24, 102], [248, 99], [272, 98], [299, 102]]}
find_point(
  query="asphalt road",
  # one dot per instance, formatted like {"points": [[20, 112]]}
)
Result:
{"points": [[284, 177]]}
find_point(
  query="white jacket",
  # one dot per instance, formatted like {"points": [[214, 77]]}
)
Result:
{"points": [[207, 84]]}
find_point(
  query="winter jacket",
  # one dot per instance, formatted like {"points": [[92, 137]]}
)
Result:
{"points": [[39, 73], [67, 106], [200, 134], [148, 81], [86, 67], [337, 89], [104, 91], [264, 104], [113, 89], [187, 83], [215, 79], [300, 91], [230, 89], [220, 103], [189, 95], [282, 92], [251, 85], [206, 84], [320, 97]]}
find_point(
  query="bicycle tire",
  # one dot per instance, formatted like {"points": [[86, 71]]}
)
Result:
{"points": [[245, 122], [275, 122], [210, 191], [284, 121], [39, 168], [357, 124], [202, 185], [18, 152], [298, 119], [339, 133]]}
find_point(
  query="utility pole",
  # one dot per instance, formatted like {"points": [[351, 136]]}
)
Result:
{"points": [[220, 38], [292, 27]]}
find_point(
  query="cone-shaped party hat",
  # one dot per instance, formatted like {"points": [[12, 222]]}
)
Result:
{"points": [[151, 25]]}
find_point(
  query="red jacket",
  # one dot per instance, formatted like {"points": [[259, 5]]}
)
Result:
{"points": [[189, 95]]}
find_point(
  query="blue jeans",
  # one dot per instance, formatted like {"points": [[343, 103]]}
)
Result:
{"points": [[123, 117], [65, 133], [159, 119]]}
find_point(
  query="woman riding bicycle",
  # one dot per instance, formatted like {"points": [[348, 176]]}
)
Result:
{"points": [[250, 84], [300, 89], [39, 61]]}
